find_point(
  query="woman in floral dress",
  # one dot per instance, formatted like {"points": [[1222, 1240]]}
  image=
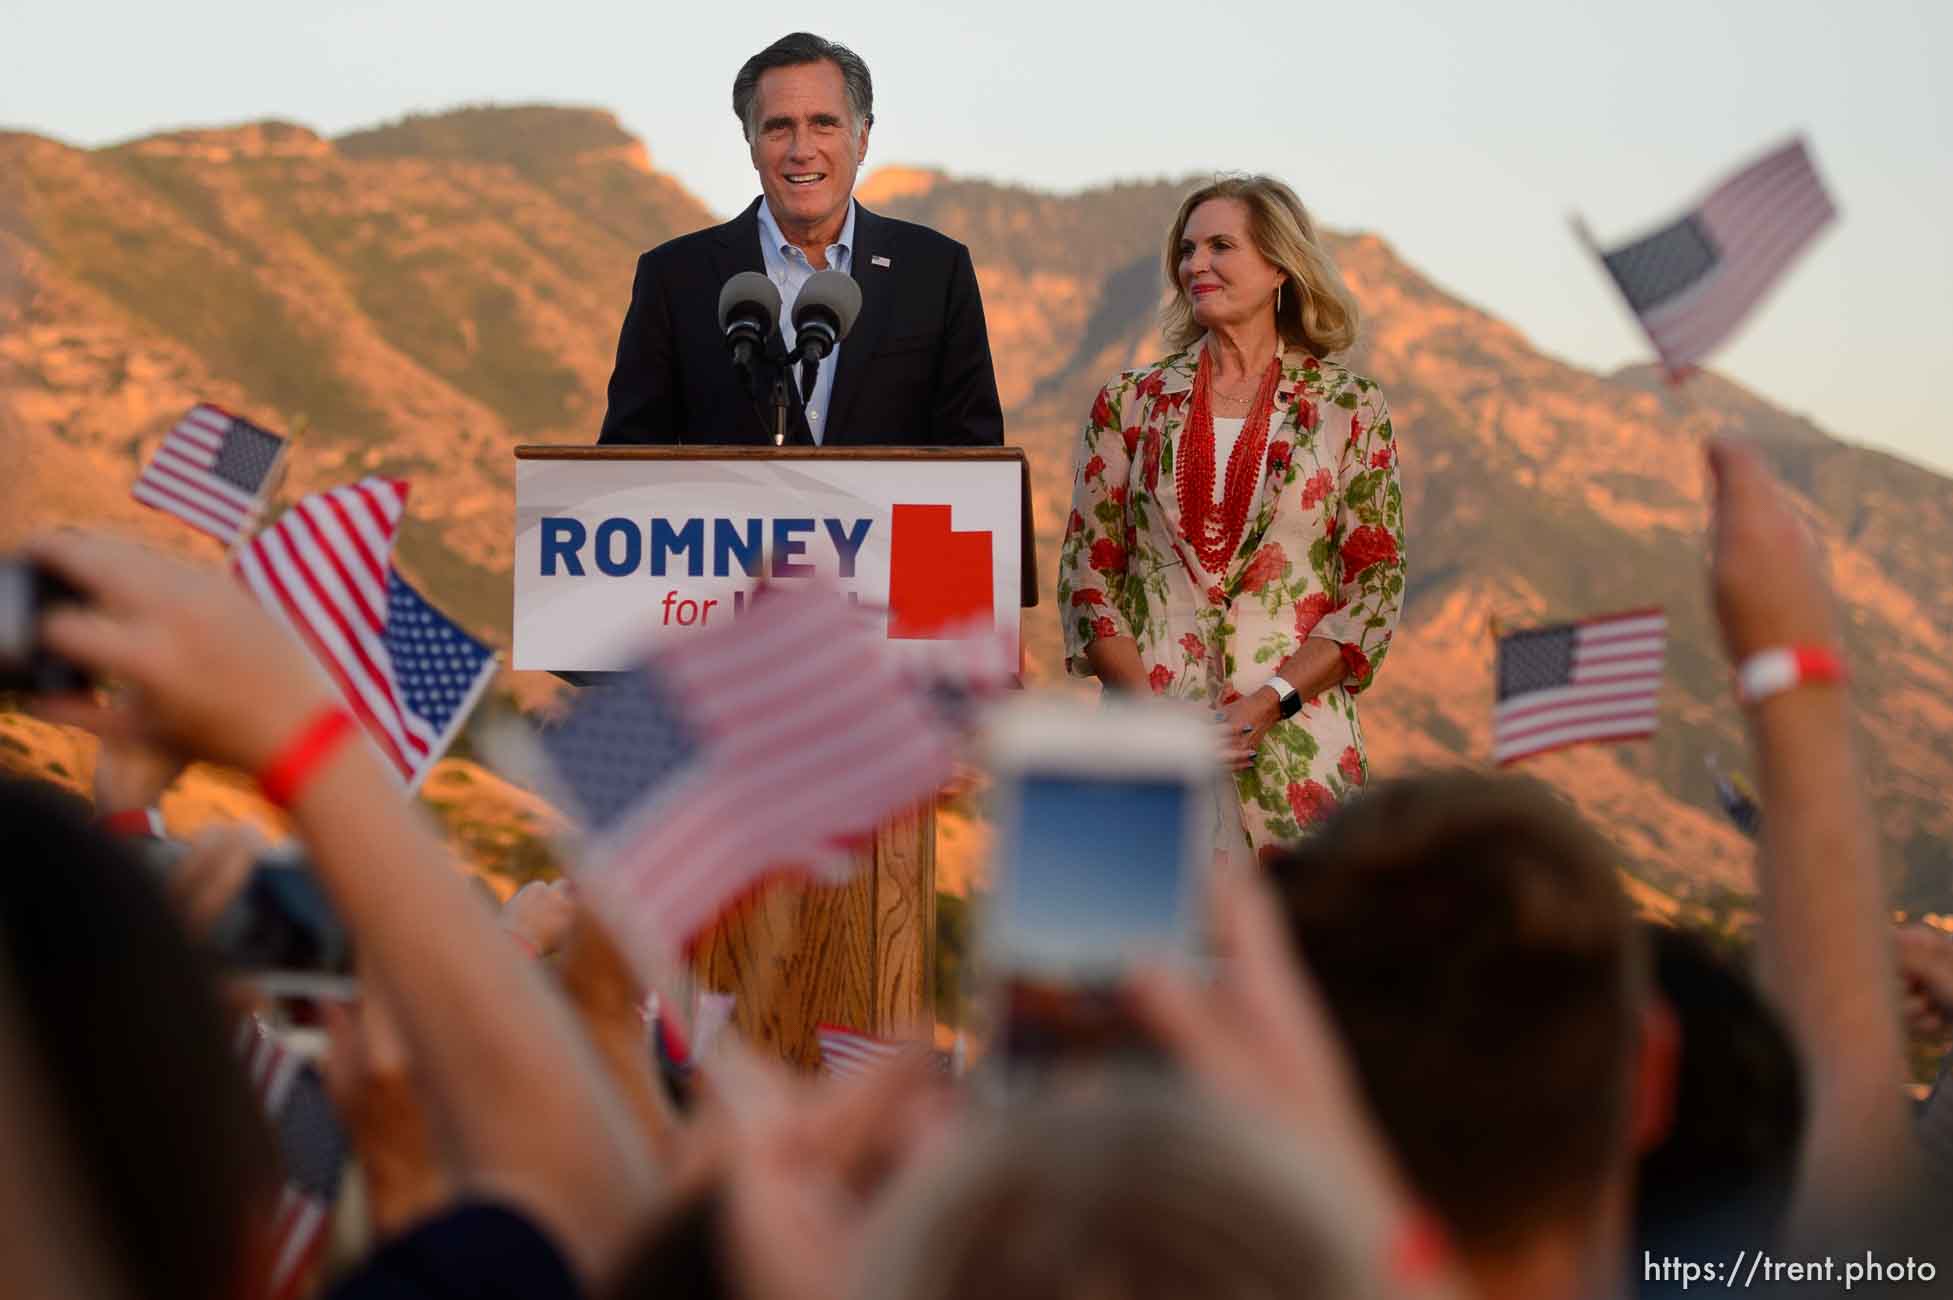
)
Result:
{"points": [[1236, 534]]}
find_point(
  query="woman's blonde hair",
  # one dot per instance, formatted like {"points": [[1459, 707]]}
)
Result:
{"points": [[1317, 312], [1140, 1193]]}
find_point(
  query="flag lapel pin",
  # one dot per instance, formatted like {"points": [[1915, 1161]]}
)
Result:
{"points": [[877, 260]]}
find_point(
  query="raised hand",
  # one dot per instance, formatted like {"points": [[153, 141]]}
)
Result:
{"points": [[210, 674], [1765, 572]]}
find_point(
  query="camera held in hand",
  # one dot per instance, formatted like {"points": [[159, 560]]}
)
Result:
{"points": [[27, 593], [279, 933]]}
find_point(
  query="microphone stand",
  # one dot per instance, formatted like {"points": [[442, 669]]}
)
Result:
{"points": [[779, 401]]}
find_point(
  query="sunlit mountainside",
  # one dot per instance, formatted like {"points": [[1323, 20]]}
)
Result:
{"points": [[417, 298]]}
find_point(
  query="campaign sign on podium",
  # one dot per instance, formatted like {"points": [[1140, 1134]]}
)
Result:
{"points": [[619, 550], [617, 553]]}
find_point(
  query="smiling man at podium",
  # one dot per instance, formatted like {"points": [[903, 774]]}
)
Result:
{"points": [[911, 368]]}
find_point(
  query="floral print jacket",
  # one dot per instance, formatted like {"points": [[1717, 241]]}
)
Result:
{"points": [[1322, 556]]}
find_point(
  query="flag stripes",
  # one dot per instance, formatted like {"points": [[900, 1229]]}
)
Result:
{"points": [[1692, 283], [849, 1053], [311, 1144], [284, 567], [211, 470], [403, 669], [1576, 682], [749, 749]]}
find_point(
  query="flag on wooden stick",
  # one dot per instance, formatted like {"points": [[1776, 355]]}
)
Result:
{"points": [[1692, 282], [406, 670], [749, 749], [1576, 682], [213, 471]]}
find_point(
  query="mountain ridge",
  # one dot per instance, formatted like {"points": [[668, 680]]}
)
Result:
{"points": [[418, 296]]}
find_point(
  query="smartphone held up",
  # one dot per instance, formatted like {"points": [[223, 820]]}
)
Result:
{"points": [[1105, 825]]}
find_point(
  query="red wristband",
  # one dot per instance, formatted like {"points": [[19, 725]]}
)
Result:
{"points": [[1782, 668], [291, 767], [147, 822], [525, 943]]}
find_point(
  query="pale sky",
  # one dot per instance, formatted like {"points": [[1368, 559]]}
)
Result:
{"points": [[1463, 133]]}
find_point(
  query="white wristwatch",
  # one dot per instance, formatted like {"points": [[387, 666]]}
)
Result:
{"points": [[1289, 700]]}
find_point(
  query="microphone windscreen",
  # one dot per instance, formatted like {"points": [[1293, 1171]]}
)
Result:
{"points": [[750, 289], [835, 291]]}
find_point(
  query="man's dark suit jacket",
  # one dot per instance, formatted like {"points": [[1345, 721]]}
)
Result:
{"points": [[914, 371]]}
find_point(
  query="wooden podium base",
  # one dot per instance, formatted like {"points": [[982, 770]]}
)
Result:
{"points": [[859, 955]]}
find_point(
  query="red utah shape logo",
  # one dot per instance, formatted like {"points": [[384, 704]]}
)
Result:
{"points": [[938, 578]]}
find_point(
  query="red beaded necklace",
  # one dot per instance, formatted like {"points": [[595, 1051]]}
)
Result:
{"points": [[1215, 530]]}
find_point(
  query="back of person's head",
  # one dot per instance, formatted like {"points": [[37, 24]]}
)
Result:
{"points": [[1135, 1193], [121, 1025], [1483, 964], [1723, 1173]]}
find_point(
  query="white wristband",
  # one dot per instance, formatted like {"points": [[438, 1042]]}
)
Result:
{"points": [[1782, 668]]}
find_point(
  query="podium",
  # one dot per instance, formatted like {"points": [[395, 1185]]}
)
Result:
{"points": [[619, 550]]}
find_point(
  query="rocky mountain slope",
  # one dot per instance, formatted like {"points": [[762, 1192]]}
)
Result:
{"points": [[417, 298]]}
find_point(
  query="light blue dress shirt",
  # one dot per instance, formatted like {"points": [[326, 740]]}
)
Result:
{"points": [[789, 269]]}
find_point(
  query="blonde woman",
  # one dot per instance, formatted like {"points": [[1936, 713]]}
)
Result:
{"points": [[1236, 534]]}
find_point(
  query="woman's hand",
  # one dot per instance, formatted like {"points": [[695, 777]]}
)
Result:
{"points": [[1244, 724], [211, 675]]}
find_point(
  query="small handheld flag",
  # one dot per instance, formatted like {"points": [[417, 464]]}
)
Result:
{"points": [[1692, 282], [213, 471], [408, 673], [749, 749], [312, 1144], [1738, 800], [1576, 682]]}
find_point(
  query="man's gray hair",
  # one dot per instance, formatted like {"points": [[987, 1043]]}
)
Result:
{"points": [[798, 49]]}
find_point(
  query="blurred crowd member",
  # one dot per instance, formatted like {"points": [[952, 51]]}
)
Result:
{"points": [[369, 1076], [1484, 967], [1823, 947], [122, 1035], [1137, 1193], [547, 1164], [601, 984], [1926, 969], [1278, 1185], [52, 1230], [1722, 1176]]}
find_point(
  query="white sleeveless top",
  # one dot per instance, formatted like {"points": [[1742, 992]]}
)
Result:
{"points": [[1226, 434]]}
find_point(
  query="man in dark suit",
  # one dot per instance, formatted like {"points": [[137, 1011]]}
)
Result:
{"points": [[914, 371]]}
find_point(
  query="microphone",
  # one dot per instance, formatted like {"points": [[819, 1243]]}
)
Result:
{"points": [[749, 312], [824, 313]]}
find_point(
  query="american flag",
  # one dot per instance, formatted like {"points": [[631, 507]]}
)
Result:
{"points": [[212, 471], [748, 749], [1737, 799], [848, 1053], [312, 1145], [1576, 682], [1693, 281], [406, 671]]}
